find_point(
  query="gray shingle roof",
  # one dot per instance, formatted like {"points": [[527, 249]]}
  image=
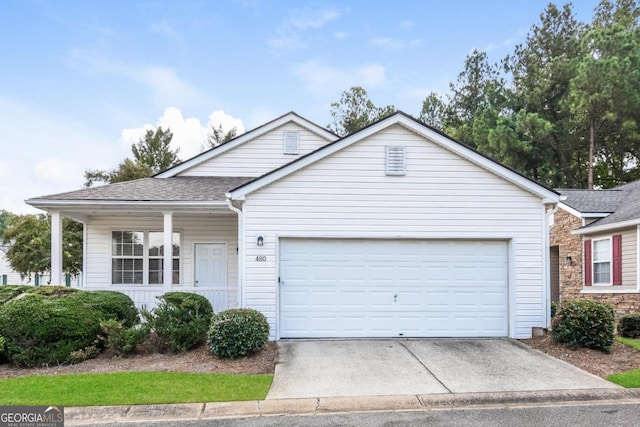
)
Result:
{"points": [[605, 201], [175, 189], [623, 203]]}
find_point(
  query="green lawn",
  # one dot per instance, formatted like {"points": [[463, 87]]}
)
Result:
{"points": [[627, 379], [631, 342], [132, 388]]}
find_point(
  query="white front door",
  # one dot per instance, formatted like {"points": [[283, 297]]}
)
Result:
{"points": [[211, 265]]}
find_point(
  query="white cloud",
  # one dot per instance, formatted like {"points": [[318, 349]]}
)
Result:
{"points": [[227, 121], [341, 35], [166, 86], [321, 79], [55, 170], [310, 18], [289, 35], [5, 170], [393, 43], [406, 25], [189, 134]]}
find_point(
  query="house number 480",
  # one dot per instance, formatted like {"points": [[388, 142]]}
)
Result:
{"points": [[261, 258]]}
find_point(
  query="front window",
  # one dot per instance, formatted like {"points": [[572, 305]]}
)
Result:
{"points": [[137, 257], [127, 260], [156, 257], [602, 262]]}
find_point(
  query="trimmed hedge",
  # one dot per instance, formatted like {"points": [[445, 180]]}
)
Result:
{"points": [[629, 325], [180, 321], [584, 323], [42, 331], [54, 324], [9, 292], [112, 304], [237, 332]]}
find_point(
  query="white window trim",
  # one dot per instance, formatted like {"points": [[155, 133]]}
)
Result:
{"points": [[145, 258], [161, 257], [593, 262]]}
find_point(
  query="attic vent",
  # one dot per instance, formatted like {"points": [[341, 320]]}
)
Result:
{"points": [[396, 160], [291, 142]]}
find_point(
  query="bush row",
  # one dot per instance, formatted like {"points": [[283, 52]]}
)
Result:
{"points": [[56, 325]]}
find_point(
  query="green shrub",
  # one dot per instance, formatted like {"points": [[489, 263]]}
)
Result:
{"points": [[42, 331], [8, 292], [237, 332], [52, 291], [2, 350], [180, 321], [112, 304], [122, 340], [629, 325], [584, 323]]}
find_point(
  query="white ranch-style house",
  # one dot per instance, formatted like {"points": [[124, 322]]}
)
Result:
{"points": [[394, 231]]}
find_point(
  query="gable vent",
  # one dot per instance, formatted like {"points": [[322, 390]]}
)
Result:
{"points": [[291, 142], [396, 160]]}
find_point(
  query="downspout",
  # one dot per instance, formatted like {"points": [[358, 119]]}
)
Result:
{"points": [[240, 249], [547, 265]]}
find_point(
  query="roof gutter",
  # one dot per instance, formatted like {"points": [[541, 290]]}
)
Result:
{"points": [[606, 227], [120, 203]]}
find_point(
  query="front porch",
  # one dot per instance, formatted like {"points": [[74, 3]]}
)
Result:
{"points": [[125, 252]]}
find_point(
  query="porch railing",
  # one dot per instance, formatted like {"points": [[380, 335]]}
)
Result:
{"points": [[146, 298]]}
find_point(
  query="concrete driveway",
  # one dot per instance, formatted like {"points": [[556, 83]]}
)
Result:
{"points": [[341, 368]]}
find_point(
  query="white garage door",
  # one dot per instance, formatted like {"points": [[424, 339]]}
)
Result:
{"points": [[392, 288]]}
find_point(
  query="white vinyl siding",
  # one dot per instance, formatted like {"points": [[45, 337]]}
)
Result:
{"points": [[260, 155], [442, 196], [222, 229]]}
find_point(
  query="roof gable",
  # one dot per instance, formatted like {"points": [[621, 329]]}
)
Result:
{"points": [[290, 117], [402, 119]]}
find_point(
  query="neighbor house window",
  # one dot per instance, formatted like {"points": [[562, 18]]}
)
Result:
{"points": [[602, 262], [137, 257]]}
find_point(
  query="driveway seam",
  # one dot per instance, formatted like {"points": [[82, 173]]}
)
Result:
{"points": [[425, 367]]}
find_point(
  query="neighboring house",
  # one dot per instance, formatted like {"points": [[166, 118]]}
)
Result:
{"points": [[395, 230], [7, 275], [594, 246]]}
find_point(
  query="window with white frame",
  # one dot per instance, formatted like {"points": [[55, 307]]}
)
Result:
{"points": [[602, 261], [137, 257], [156, 257]]}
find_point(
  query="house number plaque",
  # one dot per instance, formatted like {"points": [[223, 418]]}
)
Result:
{"points": [[261, 258]]}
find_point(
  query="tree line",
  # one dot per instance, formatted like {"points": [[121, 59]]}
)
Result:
{"points": [[563, 108]]}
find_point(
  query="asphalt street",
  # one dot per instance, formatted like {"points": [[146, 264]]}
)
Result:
{"points": [[591, 414]]}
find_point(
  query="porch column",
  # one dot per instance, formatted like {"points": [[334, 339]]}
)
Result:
{"points": [[56, 248], [167, 271]]}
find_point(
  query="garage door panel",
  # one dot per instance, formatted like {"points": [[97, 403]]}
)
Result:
{"points": [[385, 288]]}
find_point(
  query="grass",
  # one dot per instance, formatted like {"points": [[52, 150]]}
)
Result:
{"points": [[132, 388], [627, 379], [631, 342]]}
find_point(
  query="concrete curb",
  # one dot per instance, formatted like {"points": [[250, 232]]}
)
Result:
{"points": [[92, 415]]}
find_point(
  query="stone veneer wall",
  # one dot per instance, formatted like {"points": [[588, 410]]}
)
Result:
{"points": [[568, 245], [571, 276]]}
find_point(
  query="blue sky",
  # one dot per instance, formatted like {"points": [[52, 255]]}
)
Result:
{"points": [[81, 80]]}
